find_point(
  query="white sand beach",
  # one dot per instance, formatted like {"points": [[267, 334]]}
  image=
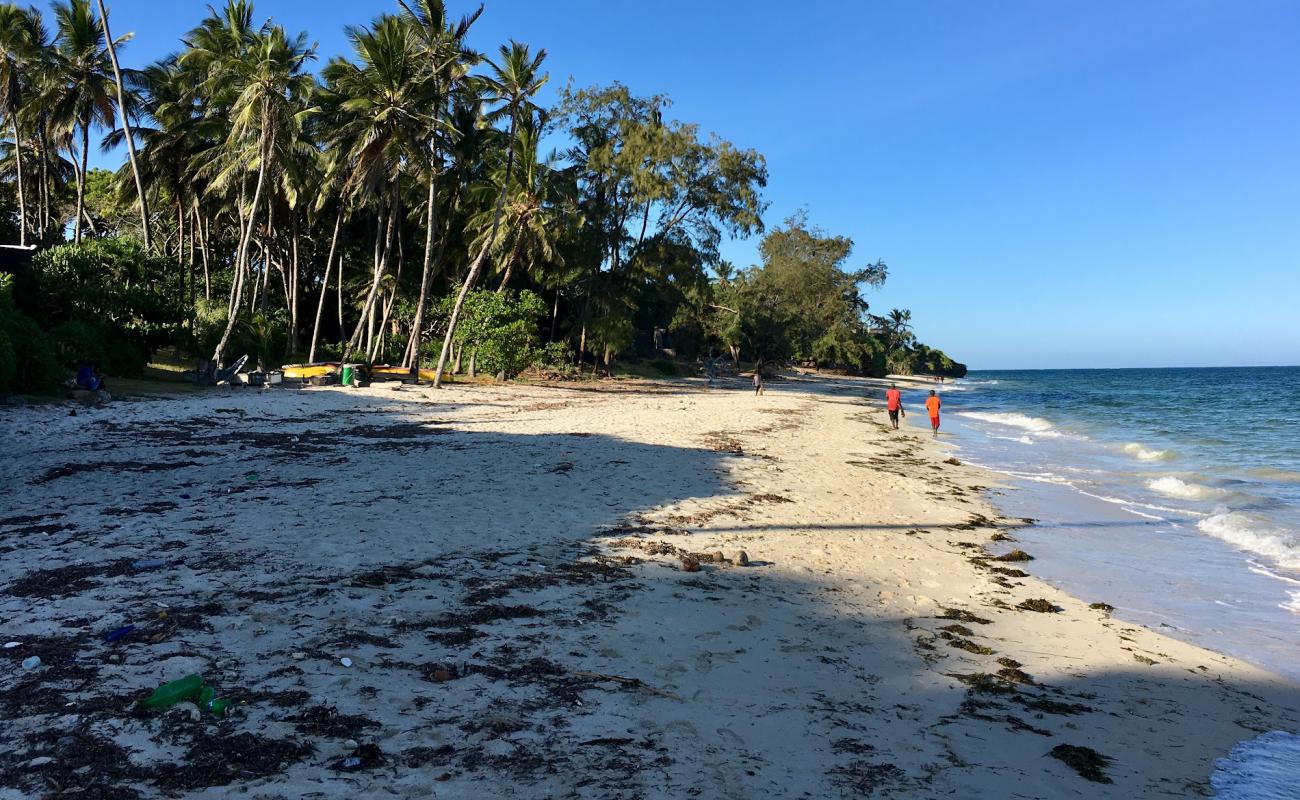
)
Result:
{"points": [[511, 573]]}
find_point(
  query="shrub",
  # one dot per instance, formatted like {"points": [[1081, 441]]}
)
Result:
{"points": [[497, 330]]}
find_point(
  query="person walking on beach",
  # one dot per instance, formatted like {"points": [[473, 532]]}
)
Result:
{"points": [[894, 404], [932, 405], [758, 380]]}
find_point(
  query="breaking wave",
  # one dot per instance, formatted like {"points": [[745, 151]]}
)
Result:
{"points": [[1263, 768], [1013, 420], [1146, 454], [1169, 486], [1246, 533]]}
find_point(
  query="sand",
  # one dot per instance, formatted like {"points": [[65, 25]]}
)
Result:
{"points": [[523, 582]]}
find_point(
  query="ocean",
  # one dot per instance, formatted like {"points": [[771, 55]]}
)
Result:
{"points": [[1172, 494]]}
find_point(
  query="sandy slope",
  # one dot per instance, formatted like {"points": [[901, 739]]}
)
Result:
{"points": [[501, 567]]}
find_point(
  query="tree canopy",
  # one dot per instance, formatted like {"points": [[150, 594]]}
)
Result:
{"points": [[366, 207]]}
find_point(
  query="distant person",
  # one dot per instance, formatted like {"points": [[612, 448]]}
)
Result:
{"points": [[89, 377], [758, 381], [894, 404], [932, 405]]}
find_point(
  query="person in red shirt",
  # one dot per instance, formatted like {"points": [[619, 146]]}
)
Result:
{"points": [[932, 405], [894, 404]]}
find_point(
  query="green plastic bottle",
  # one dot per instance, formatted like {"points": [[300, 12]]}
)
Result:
{"points": [[208, 701], [169, 694]]}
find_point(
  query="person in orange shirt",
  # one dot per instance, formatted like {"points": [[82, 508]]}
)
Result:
{"points": [[894, 404], [932, 405]]}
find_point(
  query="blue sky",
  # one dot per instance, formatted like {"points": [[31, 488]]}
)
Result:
{"points": [[1052, 184]]}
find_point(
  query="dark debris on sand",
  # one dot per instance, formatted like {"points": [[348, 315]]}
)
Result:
{"points": [[1087, 762]]}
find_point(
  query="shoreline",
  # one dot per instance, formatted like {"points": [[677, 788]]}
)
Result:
{"points": [[503, 567]]}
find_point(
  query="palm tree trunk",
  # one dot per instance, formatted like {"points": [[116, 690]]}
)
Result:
{"points": [[555, 315], [22, 203], [81, 182], [241, 256], [180, 249], [381, 263], [269, 242], [292, 345], [412, 360], [478, 262], [514, 255], [126, 126], [202, 226], [325, 284]]}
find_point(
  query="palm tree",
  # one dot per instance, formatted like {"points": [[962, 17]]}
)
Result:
{"points": [[513, 84], [83, 86], [449, 62], [270, 89], [20, 44], [126, 124], [531, 217], [379, 129]]}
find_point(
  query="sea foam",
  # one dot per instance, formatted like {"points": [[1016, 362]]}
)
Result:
{"points": [[1170, 486], [1245, 532], [1264, 768], [1035, 424], [1146, 454]]}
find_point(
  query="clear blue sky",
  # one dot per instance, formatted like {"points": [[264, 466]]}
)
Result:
{"points": [[1052, 184]]}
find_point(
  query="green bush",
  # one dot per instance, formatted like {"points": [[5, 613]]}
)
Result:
{"points": [[497, 330], [8, 360], [554, 357], [35, 364], [104, 300]]}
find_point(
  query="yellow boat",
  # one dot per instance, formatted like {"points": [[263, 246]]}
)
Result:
{"points": [[304, 371], [399, 372]]}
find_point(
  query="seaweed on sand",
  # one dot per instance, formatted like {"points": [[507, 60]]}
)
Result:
{"points": [[962, 615], [968, 646], [1015, 556], [216, 760], [1084, 760], [1040, 605]]}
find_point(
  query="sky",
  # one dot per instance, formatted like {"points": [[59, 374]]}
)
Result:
{"points": [[1052, 184]]}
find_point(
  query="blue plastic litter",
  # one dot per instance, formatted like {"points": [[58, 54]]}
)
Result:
{"points": [[119, 633]]}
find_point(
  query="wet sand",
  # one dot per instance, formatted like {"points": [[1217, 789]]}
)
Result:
{"points": [[526, 584]]}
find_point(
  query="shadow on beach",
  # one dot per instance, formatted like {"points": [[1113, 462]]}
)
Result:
{"points": [[496, 640]]}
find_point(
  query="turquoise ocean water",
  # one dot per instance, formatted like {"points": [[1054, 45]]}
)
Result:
{"points": [[1172, 494]]}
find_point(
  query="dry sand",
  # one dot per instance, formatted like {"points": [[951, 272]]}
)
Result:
{"points": [[503, 568]]}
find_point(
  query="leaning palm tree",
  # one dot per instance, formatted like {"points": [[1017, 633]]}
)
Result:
{"points": [[513, 83], [83, 86], [268, 111], [20, 44], [126, 125]]}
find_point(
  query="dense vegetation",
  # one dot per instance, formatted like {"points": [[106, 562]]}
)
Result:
{"points": [[398, 205]]}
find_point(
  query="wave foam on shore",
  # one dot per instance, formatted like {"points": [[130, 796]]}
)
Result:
{"points": [[1143, 453], [1171, 486], [1036, 424], [1263, 768], [1245, 532]]}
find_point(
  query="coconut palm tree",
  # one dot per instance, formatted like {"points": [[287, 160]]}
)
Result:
{"points": [[271, 87], [448, 61], [515, 80], [21, 40], [126, 124], [380, 128], [83, 86]]}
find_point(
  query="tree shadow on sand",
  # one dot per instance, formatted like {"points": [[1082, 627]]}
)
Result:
{"points": [[495, 643]]}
